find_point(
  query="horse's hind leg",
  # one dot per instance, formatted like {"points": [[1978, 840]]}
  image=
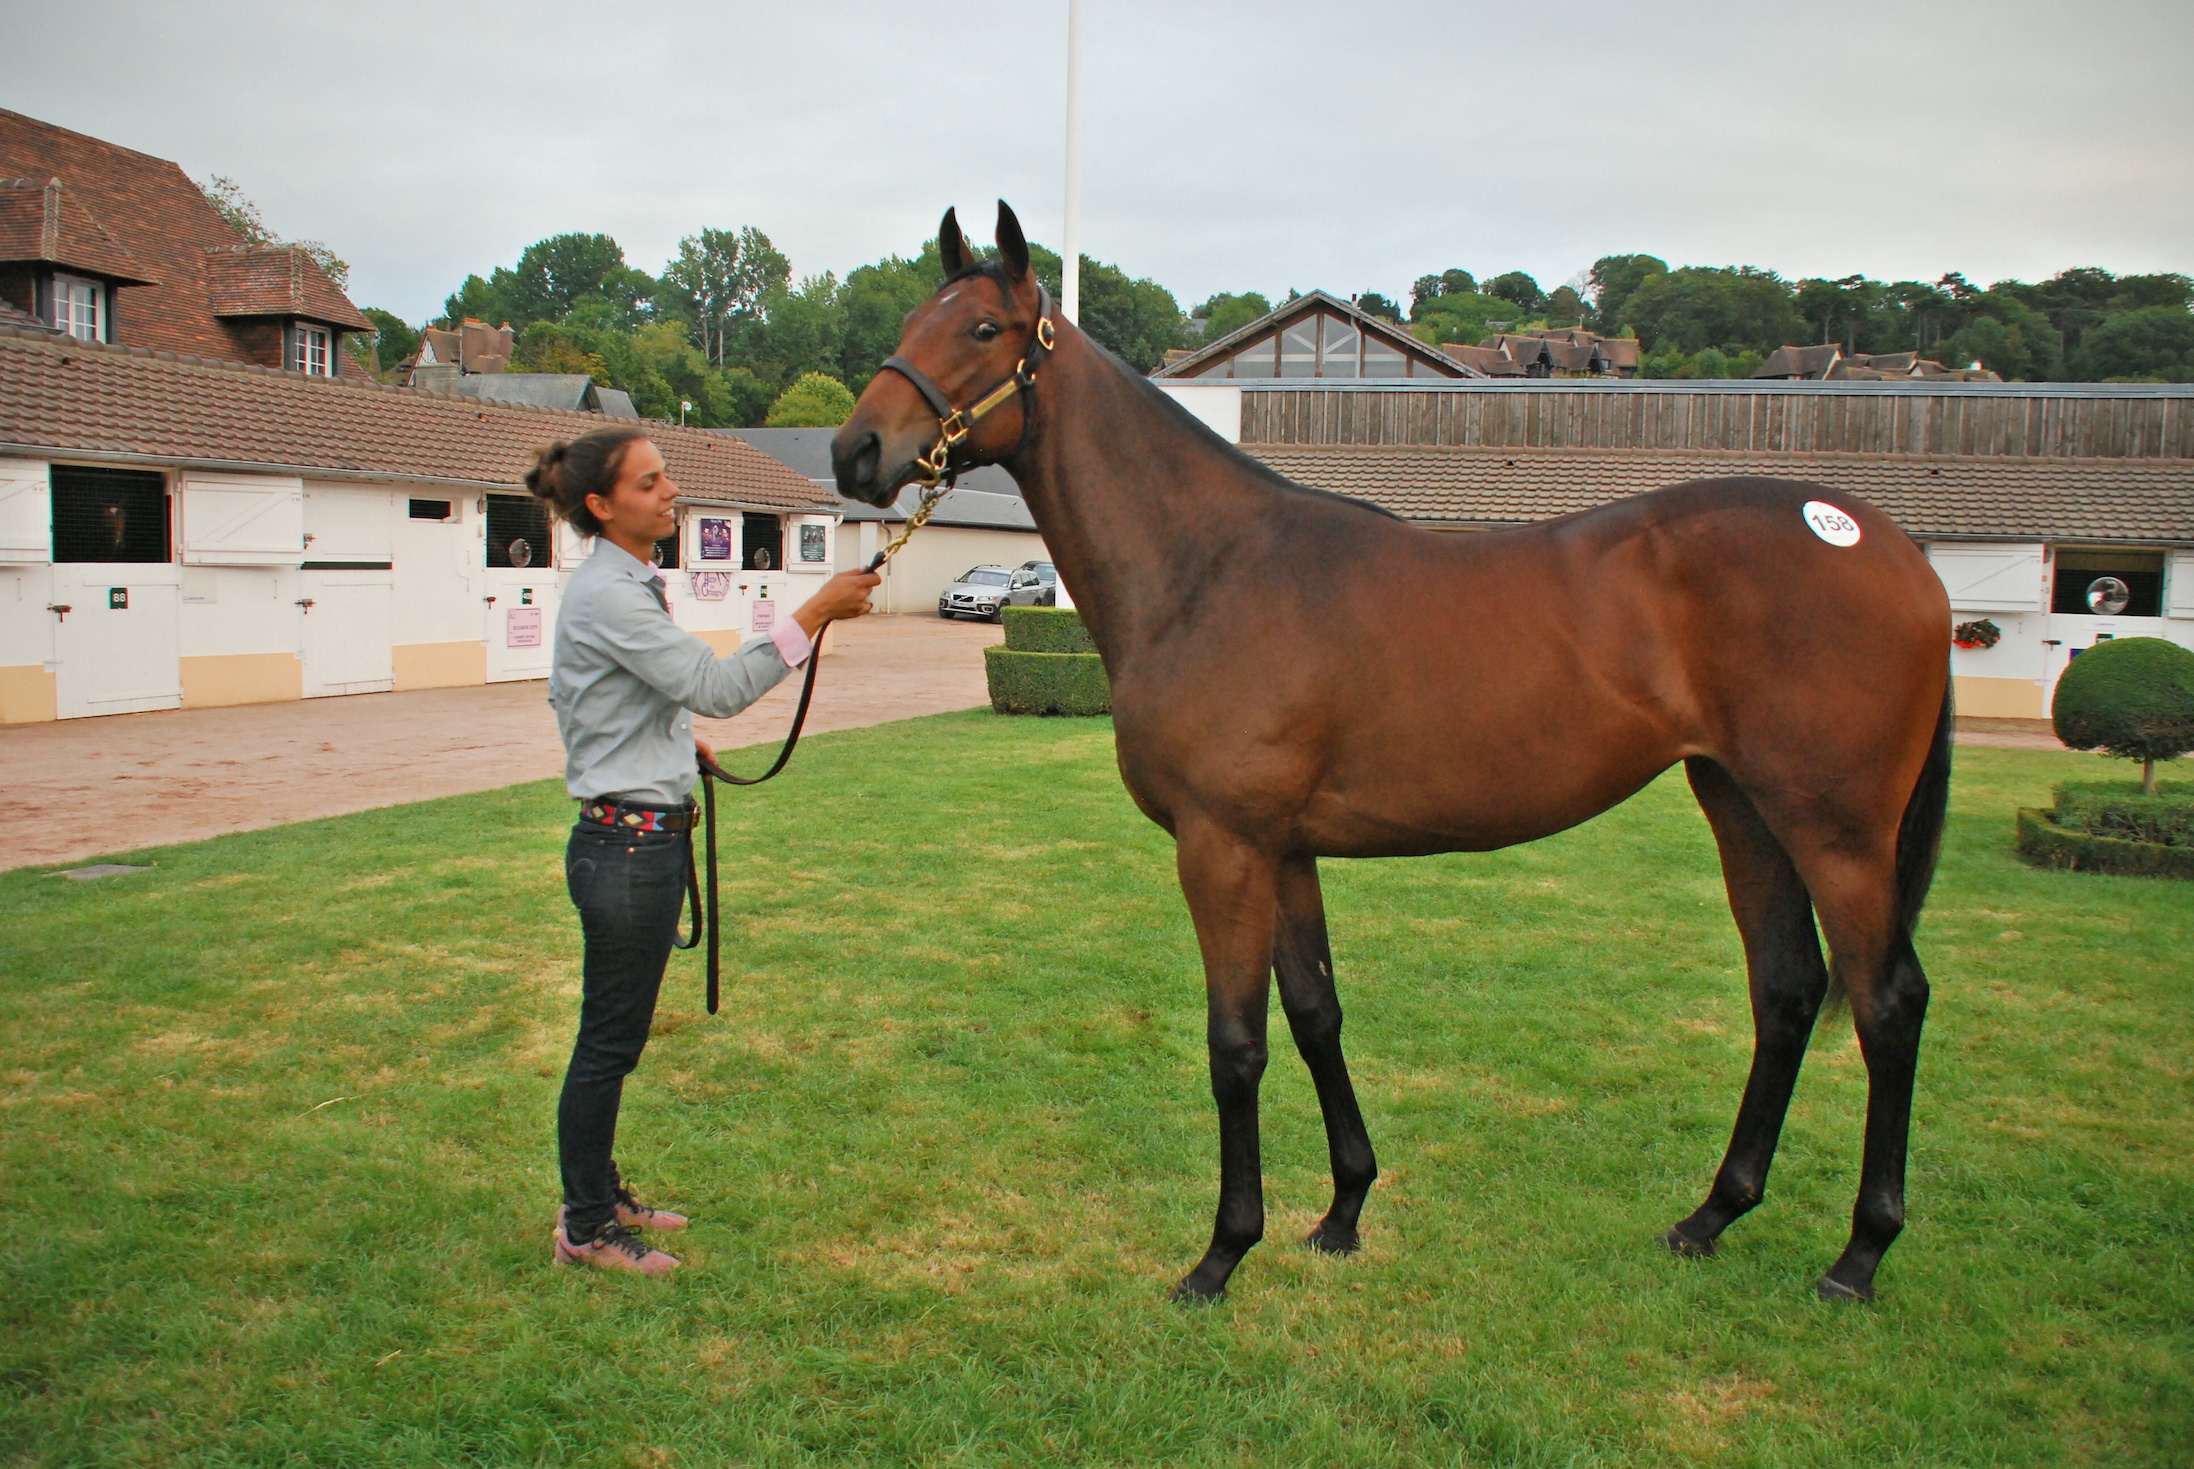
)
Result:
{"points": [[1787, 981], [1304, 964], [1872, 946], [1231, 892]]}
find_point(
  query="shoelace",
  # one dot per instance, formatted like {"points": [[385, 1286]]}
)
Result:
{"points": [[626, 1197], [615, 1236]]}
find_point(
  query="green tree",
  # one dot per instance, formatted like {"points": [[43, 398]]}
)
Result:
{"points": [[1371, 303], [1709, 306], [1446, 283], [2130, 697], [719, 277], [1137, 320], [1223, 315], [1519, 288], [817, 400], [1462, 317], [1565, 307], [798, 330], [2008, 337], [1611, 281], [393, 340], [552, 277], [2153, 342], [875, 301]]}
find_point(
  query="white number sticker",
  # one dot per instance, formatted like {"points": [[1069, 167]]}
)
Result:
{"points": [[1831, 524]]}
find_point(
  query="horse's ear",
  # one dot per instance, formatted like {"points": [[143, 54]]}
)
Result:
{"points": [[1011, 243], [951, 244]]}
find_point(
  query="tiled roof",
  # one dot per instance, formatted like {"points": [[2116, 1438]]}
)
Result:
{"points": [[44, 222], [155, 213], [2145, 500], [126, 404], [276, 280]]}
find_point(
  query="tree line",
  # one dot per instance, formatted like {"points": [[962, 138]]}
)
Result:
{"points": [[727, 329]]}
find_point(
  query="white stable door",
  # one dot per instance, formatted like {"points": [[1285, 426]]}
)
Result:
{"points": [[521, 621], [116, 649], [348, 637]]}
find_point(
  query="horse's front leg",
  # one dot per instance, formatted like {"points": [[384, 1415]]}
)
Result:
{"points": [[1304, 963], [1231, 892]]}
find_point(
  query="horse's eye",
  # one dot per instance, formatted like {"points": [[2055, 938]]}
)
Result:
{"points": [[985, 330]]}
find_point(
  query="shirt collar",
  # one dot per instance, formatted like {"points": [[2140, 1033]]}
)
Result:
{"points": [[624, 563]]}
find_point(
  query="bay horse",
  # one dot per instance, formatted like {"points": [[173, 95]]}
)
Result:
{"points": [[1296, 675]]}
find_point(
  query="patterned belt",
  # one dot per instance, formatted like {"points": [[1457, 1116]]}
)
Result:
{"points": [[636, 818]]}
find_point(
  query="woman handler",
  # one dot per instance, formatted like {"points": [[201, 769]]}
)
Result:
{"points": [[622, 683]]}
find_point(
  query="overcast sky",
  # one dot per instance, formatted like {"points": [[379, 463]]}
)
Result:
{"points": [[1230, 146]]}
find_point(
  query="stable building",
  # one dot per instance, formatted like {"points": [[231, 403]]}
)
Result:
{"points": [[182, 532], [2058, 514]]}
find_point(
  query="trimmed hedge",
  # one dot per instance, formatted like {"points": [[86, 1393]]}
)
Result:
{"points": [[1046, 683], [2121, 809], [1046, 630], [2046, 844]]}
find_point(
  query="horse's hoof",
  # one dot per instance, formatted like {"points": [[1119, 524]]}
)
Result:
{"points": [[1684, 1246], [1188, 1293], [1333, 1241], [1831, 1289]]}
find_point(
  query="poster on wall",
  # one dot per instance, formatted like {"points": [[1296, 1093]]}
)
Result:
{"points": [[715, 538], [811, 543], [765, 615], [522, 628], [711, 586]]}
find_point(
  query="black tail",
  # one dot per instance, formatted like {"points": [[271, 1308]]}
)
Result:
{"points": [[1920, 834]]}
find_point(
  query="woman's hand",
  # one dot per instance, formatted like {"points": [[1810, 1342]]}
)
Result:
{"points": [[844, 595]]}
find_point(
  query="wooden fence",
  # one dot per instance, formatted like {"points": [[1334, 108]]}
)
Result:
{"points": [[2027, 423]]}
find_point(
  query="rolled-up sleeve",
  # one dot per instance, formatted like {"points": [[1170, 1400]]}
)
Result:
{"points": [[678, 665]]}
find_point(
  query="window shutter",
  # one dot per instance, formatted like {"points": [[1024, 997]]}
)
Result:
{"points": [[243, 520], [26, 512], [1990, 578]]}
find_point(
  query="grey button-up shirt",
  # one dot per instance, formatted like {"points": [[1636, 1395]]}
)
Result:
{"points": [[626, 679]]}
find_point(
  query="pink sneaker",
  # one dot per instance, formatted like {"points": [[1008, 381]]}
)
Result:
{"points": [[615, 1248], [633, 1214]]}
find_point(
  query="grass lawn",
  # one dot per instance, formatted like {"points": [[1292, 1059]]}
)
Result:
{"points": [[276, 1152]]}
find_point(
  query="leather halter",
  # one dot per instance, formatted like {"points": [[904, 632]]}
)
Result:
{"points": [[943, 463]]}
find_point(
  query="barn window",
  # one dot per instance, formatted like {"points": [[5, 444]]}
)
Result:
{"points": [[518, 531], [1299, 349], [1382, 360], [109, 515], [761, 542], [430, 509], [1257, 361], [2139, 575], [1337, 347]]}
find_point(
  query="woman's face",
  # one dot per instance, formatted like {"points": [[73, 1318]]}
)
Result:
{"points": [[639, 506]]}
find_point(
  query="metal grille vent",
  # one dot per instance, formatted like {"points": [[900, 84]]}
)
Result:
{"points": [[518, 531], [109, 514]]}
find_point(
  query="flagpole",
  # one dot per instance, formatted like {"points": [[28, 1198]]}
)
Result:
{"points": [[1070, 293]]}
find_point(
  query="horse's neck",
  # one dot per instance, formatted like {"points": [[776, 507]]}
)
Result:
{"points": [[1133, 500]]}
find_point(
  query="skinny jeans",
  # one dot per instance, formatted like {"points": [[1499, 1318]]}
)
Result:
{"points": [[628, 887]]}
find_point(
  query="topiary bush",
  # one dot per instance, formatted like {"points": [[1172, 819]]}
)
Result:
{"points": [[2164, 816], [2130, 697], [1047, 666], [1046, 630]]}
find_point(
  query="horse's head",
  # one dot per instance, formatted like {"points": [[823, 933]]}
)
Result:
{"points": [[965, 346]]}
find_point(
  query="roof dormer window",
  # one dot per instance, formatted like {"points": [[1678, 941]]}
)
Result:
{"points": [[80, 307], [310, 350]]}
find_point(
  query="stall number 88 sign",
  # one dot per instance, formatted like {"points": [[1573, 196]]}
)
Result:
{"points": [[1831, 524]]}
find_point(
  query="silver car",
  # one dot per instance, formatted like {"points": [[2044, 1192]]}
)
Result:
{"points": [[986, 591]]}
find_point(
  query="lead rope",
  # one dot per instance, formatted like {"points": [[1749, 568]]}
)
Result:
{"points": [[705, 918]]}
